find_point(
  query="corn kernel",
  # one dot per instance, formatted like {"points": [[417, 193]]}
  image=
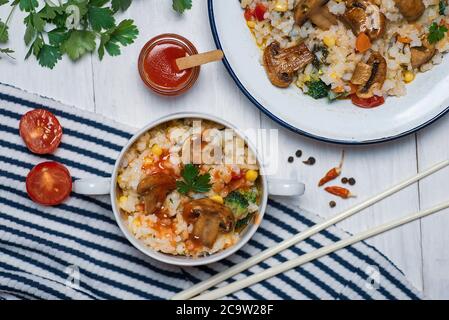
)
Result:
{"points": [[281, 6], [329, 41], [216, 198], [123, 199], [251, 175], [334, 75], [120, 179], [251, 24], [147, 162], [409, 76], [156, 150]]}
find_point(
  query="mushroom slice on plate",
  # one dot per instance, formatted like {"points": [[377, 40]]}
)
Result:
{"points": [[305, 8], [209, 220], [370, 76], [412, 10], [154, 188], [422, 55], [365, 16], [282, 64], [323, 18]]}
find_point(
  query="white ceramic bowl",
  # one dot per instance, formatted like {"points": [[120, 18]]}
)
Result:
{"points": [[109, 186], [340, 122]]}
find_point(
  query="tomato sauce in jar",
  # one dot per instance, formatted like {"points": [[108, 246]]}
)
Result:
{"points": [[157, 65]]}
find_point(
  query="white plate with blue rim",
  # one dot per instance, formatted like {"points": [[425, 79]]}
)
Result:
{"points": [[339, 122]]}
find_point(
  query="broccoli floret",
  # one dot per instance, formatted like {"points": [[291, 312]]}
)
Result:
{"points": [[238, 204], [251, 195], [317, 89]]}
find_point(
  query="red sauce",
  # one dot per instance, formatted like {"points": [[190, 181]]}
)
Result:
{"points": [[160, 65], [157, 65]]}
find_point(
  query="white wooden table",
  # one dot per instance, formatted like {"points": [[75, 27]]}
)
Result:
{"points": [[113, 88]]}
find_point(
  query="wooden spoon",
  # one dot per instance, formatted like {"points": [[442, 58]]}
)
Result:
{"points": [[199, 59]]}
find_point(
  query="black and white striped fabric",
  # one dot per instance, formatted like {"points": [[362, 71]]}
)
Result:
{"points": [[76, 250]]}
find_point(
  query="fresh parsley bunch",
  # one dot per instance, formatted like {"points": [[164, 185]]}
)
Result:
{"points": [[72, 27]]}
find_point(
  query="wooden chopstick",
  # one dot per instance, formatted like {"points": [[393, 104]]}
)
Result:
{"points": [[220, 277], [246, 282]]}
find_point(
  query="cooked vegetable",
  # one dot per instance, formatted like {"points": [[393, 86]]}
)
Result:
{"points": [[282, 64], [362, 43], [442, 7], [422, 55], [323, 18], [154, 189], [305, 8], [412, 10], [436, 33], [193, 181], [241, 224], [317, 89], [209, 220], [238, 204], [364, 17], [370, 75], [367, 103]]}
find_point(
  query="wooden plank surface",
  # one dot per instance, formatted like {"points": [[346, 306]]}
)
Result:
{"points": [[113, 88]]}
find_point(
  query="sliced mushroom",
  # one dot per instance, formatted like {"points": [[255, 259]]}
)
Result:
{"points": [[370, 76], [305, 8], [422, 55], [323, 18], [412, 10], [154, 188], [365, 16], [209, 220], [282, 64]]}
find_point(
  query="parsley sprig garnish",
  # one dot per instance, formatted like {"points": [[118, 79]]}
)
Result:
{"points": [[193, 181], [436, 33], [74, 28], [181, 5]]}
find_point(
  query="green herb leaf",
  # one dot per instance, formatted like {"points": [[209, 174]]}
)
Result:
{"points": [[28, 5], [120, 5], [2, 2], [193, 181], [49, 56], [436, 33], [7, 52], [3, 33], [57, 36], [442, 7], [125, 33], [79, 43], [101, 18], [181, 5]]}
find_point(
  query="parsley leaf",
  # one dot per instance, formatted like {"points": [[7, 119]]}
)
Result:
{"points": [[436, 33], [125, 33], [101, 18], [120, 5], [79, 43], [193, 181], [3, 32], [28, 5], [442, 7], [7, 51], [2, 2], [48, 56], [181, 5]]}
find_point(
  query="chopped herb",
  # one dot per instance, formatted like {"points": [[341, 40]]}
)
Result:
{"points": [[442, 7], [332, 96], [436, 33], [317, 89], [193, 181], [241, 224]]}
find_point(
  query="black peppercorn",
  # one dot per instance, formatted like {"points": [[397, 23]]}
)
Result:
{"points": [[298, 153], [344, 180], [311, 161], [352, 181], [290, 159], [332, 204]]}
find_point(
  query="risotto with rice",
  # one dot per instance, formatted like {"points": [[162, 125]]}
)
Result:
{"points": [[365, 50], [179, 208]]}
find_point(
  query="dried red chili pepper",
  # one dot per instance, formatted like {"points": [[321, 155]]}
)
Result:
{"points": [[339, 192], [332, 173]]}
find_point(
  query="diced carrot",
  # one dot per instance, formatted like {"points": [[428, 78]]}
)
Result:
{"points": [[405, 40], [362, 43], [338, 89]]}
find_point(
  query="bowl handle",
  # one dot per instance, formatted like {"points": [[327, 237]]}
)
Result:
{"points": [[281, 187], [92, 187]]}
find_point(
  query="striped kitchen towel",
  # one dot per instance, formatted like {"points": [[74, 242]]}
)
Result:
{"points": [[77, 251]]}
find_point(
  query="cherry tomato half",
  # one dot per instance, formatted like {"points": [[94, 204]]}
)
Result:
{"points": [[41, 131], [259, 11], [368, 103], [49, 183], [249, 14]]}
